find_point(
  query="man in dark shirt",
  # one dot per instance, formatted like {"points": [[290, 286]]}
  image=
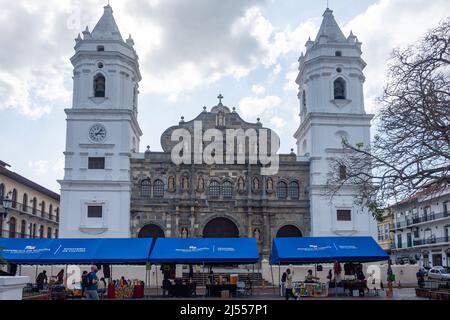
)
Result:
{"points": [[41, 280]]}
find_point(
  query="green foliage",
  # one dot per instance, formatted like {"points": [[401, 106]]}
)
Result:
{"points": [[376, 210]]}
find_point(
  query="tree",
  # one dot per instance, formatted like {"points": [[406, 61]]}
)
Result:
{"points": [[411, 149]]}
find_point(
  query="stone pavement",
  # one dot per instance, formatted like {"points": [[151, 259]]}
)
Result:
{"points": [[271, 294]]}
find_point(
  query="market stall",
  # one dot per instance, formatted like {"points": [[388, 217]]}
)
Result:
{"points": [[205, 252], [78, 252], [313, 250]]}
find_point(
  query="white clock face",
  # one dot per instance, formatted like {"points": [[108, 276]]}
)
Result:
{"points": [[97, 133]]}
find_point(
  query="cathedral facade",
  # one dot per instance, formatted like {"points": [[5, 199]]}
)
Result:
{"points": [[111, 189]]}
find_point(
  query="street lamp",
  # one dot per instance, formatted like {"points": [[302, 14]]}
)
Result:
{"points": [[7, 203]]}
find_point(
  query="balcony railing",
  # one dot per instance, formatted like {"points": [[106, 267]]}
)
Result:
{"points": [[433, 240], [424, 218], [8, 234], [22, 208]]}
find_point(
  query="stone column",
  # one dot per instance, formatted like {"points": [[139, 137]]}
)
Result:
{"points": [[175, 229], [249, 222], [192, 219]]}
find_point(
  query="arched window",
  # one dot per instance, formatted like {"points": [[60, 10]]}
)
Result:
{"points": [[33, 230], [227, 189], [56, 234], [214, 189], [289, 231], [342, 172], [41, 232], [42, 208], [158, 189], [294, 190], [14, 198], [151, 231], [282, 190], [339, 89], [220, 228], [57, 214], [12, 227], [34, 205], [50, 211], [49, 232], [23, 229], [99, 86], [145, 188], [25, 203], [2, 191]]}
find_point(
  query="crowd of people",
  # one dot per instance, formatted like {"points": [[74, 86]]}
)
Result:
{"points": [[92, 287]]}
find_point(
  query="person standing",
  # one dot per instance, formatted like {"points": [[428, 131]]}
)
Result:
{"points": [[289, 285], [101, 287], [91, 290], [41, 280], [60, 276], [283, 284], [420, 278]]}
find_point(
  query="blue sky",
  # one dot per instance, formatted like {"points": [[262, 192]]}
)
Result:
{"points": [[190, 51]]}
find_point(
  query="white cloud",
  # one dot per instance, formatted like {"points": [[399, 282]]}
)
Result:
{"points": [[278, 123], [258, 89], [251, 107], [389, 24]]}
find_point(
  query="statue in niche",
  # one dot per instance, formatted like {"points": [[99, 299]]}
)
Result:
{"points": [[257, 235], [185, 183], [241, 184], [171, 183], [270, 184], [255, 184], [200, 184], [184, 233], [221, 119]]}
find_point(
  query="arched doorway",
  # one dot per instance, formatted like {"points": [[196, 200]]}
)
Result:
{"points": [[220, 228], [151, 231], [12, 227], [289, 231]]}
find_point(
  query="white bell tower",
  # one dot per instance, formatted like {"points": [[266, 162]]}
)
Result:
{"points": [[102, 133], [331, 98]]}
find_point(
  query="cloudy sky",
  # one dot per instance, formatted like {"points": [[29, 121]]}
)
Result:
{"points": [[190, 51]]}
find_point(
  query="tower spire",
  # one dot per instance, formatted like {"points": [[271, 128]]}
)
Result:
{"points": [[106, 28]]}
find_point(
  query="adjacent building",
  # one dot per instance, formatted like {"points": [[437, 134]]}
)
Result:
{"points": [[34, 211], [385, 231], [422, 227]]}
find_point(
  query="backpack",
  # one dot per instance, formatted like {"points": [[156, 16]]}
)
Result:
{"points": [[283, 277], [85, 282]]}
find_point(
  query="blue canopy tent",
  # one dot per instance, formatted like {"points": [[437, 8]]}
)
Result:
{"points": [[205, 250], [75, 251], [326, 249]]}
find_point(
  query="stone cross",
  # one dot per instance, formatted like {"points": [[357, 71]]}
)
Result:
{"points": [[220, 97]]}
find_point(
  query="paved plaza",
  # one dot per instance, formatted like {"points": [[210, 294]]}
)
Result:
{"points": [[272, 294]]}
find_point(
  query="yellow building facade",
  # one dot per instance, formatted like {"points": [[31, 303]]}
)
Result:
{"points": [[34, 211]]}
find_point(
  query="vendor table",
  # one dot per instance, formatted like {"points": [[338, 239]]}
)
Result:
{"points": [[354, 285], [214, 290], [182, 290], [313, 289]]}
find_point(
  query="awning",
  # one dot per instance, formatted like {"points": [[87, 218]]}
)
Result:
{"points": [[205, 250], [75, 251], [326, 249]]}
